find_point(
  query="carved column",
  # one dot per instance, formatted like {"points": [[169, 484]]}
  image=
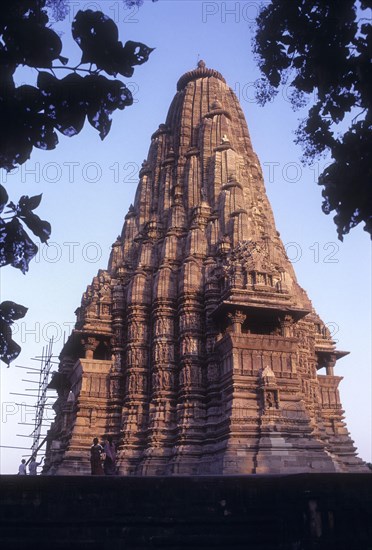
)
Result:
{"points": [[90, 344], [162, 408], [286, 324], [191, 400], [213, 368], [135, 407], [237, 319], [116, 374], [330, 364]]}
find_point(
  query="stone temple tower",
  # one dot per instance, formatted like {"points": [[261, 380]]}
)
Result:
{"points": [[197, 350]]}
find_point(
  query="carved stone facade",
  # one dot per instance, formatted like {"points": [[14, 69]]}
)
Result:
{"points": [[196, 348]]}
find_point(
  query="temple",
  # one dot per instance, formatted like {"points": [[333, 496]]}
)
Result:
{"points": [[196, 349]]}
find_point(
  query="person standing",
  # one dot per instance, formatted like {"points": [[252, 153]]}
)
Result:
{"points": [[96, 451], [109, 464], [22, 468], [32, 467]]}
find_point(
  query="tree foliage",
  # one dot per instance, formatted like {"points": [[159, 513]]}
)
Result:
{"points": [[132, 3], [32, 115], [9, 312], [322, 50], [17, 249]]}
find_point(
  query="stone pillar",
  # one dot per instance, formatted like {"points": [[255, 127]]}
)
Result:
{"points": [[162, 408], [237, 319], [330, 364], [90, 344], [286, 324], [209, 463], [116, 374], [191, 396], [135, 407]]}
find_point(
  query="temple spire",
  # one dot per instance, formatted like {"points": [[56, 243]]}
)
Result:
{"points": [[201, 349]]}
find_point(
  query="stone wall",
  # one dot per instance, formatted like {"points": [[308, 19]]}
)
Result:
{"points": [[298, 512]]}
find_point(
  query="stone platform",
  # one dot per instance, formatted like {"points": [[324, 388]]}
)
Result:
{"points": [[297, 512]]}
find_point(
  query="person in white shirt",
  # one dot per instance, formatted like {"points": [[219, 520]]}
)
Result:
{"points": [[22, 468], [32, 467]]}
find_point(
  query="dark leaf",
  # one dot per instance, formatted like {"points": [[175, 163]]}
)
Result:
{"points": [[65, 103], [96, 35], [19, 248], [42, 133], [29, 203], [101, 122], [9, 350], [103, 97], [40, 228], [10, 311], [68, 105], [94, 26], [46, 82], [71, 122], [133, 53], [3, 198], [15, 146], [31, 43], [28, 98], [136, 53]]}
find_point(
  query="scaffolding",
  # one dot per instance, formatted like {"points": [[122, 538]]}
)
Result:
{"points": [[44, 379], [40, 394]]}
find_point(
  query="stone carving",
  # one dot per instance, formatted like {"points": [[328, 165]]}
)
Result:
{"points": [[162, 380], [215, 344], [136, 383], [249, 262], [163, 352], [270, 400], [190, 375], [189, 345]]}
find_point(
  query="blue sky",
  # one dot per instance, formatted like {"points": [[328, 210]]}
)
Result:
{"points": [[88, 185]]}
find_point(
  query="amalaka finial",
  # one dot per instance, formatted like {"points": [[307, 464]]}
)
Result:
{"points": [[200, 72]]}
